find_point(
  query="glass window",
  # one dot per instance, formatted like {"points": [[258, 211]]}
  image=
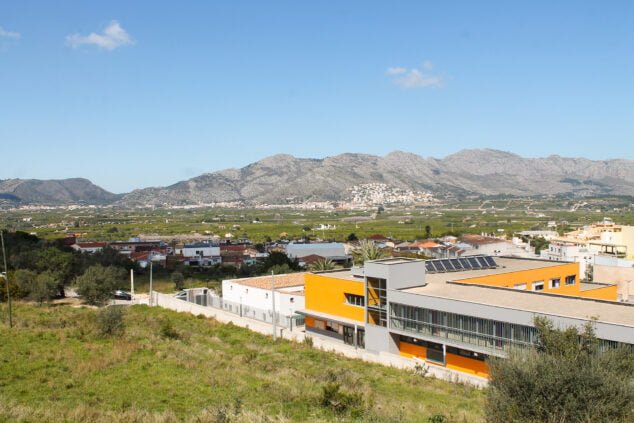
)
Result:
{"points": [[356, 300], [521, 286], [555, 283], [538, 286], [571, 280]]}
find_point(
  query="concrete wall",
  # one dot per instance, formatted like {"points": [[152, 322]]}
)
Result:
{"points": [[399, 276], [285, 303]]}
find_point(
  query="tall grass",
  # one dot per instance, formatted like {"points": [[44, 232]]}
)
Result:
{"points": [[56, 365]]}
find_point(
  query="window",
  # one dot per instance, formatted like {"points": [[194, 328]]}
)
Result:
{"points": [[356, 300], [292, 300], [571, 280], [538, 286], [555, 283], [521, 286]]}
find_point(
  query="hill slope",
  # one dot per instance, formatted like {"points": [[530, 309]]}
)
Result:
{"points": [[488, 172], [55, 191]]}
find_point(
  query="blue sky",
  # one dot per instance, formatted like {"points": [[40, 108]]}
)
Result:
{"points": [[140, 93]]}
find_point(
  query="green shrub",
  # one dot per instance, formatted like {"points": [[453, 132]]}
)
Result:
{"points": [[167, 330], [341, 402], [110, 320]]}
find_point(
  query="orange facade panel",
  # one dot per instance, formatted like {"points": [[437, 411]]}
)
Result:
{"points": [[552, 279], [327, 294], [412, 350], [467, 365]]}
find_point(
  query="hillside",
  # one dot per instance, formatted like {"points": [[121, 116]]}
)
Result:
{"points": [[56, 367], [284, 178], [60, 191]]}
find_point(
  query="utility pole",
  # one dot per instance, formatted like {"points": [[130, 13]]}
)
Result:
{"points": [[150, 299], [132, 282], [6, 278], [273, 300]]}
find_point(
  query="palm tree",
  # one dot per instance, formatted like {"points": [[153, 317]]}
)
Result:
{"points": [[367, 250], [322, 265]]}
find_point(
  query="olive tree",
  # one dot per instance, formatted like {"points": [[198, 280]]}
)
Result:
{"points": [[97, 283]]}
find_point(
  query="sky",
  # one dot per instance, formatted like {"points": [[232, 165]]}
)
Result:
{"points": [[131, 94]]}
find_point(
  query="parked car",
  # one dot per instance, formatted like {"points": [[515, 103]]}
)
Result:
{"points": [[182, 295], [122, 295]]}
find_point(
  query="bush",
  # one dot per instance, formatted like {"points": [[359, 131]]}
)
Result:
{"points": [[566, 378], [340, 402], [110, 320], [167, 330]]}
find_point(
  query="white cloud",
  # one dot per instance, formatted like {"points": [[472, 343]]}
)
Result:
{"points": [[396, 71], [415, 77], [112, 37], [9, 34]]}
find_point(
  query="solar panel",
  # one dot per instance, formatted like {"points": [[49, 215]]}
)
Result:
{"points": [[490, 261], [439, 266], [482, 261], [448, 265], [465, 263], [473, 262], [458, 264]]}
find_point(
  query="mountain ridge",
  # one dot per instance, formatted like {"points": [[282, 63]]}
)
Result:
{"points": [[283, 178]]}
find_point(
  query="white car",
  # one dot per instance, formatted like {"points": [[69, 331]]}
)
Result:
{"points": [[182, 295]]}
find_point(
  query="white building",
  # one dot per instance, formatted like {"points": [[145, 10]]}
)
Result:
{"points": [[569, 251], [202, 249], [254, 295]]}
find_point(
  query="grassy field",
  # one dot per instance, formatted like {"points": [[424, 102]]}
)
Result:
{"points": [[55, 366]]}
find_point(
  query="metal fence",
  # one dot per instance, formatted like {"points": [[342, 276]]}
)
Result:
{"points": [[207, 298]]}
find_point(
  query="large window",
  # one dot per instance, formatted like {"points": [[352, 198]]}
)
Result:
{"points": [[357, 300], [377, 301], [571, 280], [462, 329], [555, 283]]}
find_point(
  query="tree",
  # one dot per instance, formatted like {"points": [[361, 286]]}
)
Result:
{"points": [[58, 262], [44, 288], [179, 280], [427, 231], [565, 378], [24, 281], [367, 250], [277, 258], [323, 265], [98, 282], [352, 237]]}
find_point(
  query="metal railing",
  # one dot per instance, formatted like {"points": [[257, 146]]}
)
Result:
{"points": [[209, 299]]}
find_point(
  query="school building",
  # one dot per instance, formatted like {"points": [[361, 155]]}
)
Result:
{"points": [[457, 312]]}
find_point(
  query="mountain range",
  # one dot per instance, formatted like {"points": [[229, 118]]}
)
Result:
{"points": [[283, 178]]}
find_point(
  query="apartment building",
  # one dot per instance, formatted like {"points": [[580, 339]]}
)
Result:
{"points": [[457, 312]]}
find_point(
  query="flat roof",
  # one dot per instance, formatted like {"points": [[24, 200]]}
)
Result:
{"points": [[394, 260], [505, 265], [265, 282], [345, 274], [440, 285]]}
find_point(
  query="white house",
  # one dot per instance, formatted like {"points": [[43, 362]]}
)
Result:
{"points": [[200, 250], [254, 295], [569, 251]]}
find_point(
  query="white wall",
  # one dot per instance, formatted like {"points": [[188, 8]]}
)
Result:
{"points": [[286, 303], [207, 251]]}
